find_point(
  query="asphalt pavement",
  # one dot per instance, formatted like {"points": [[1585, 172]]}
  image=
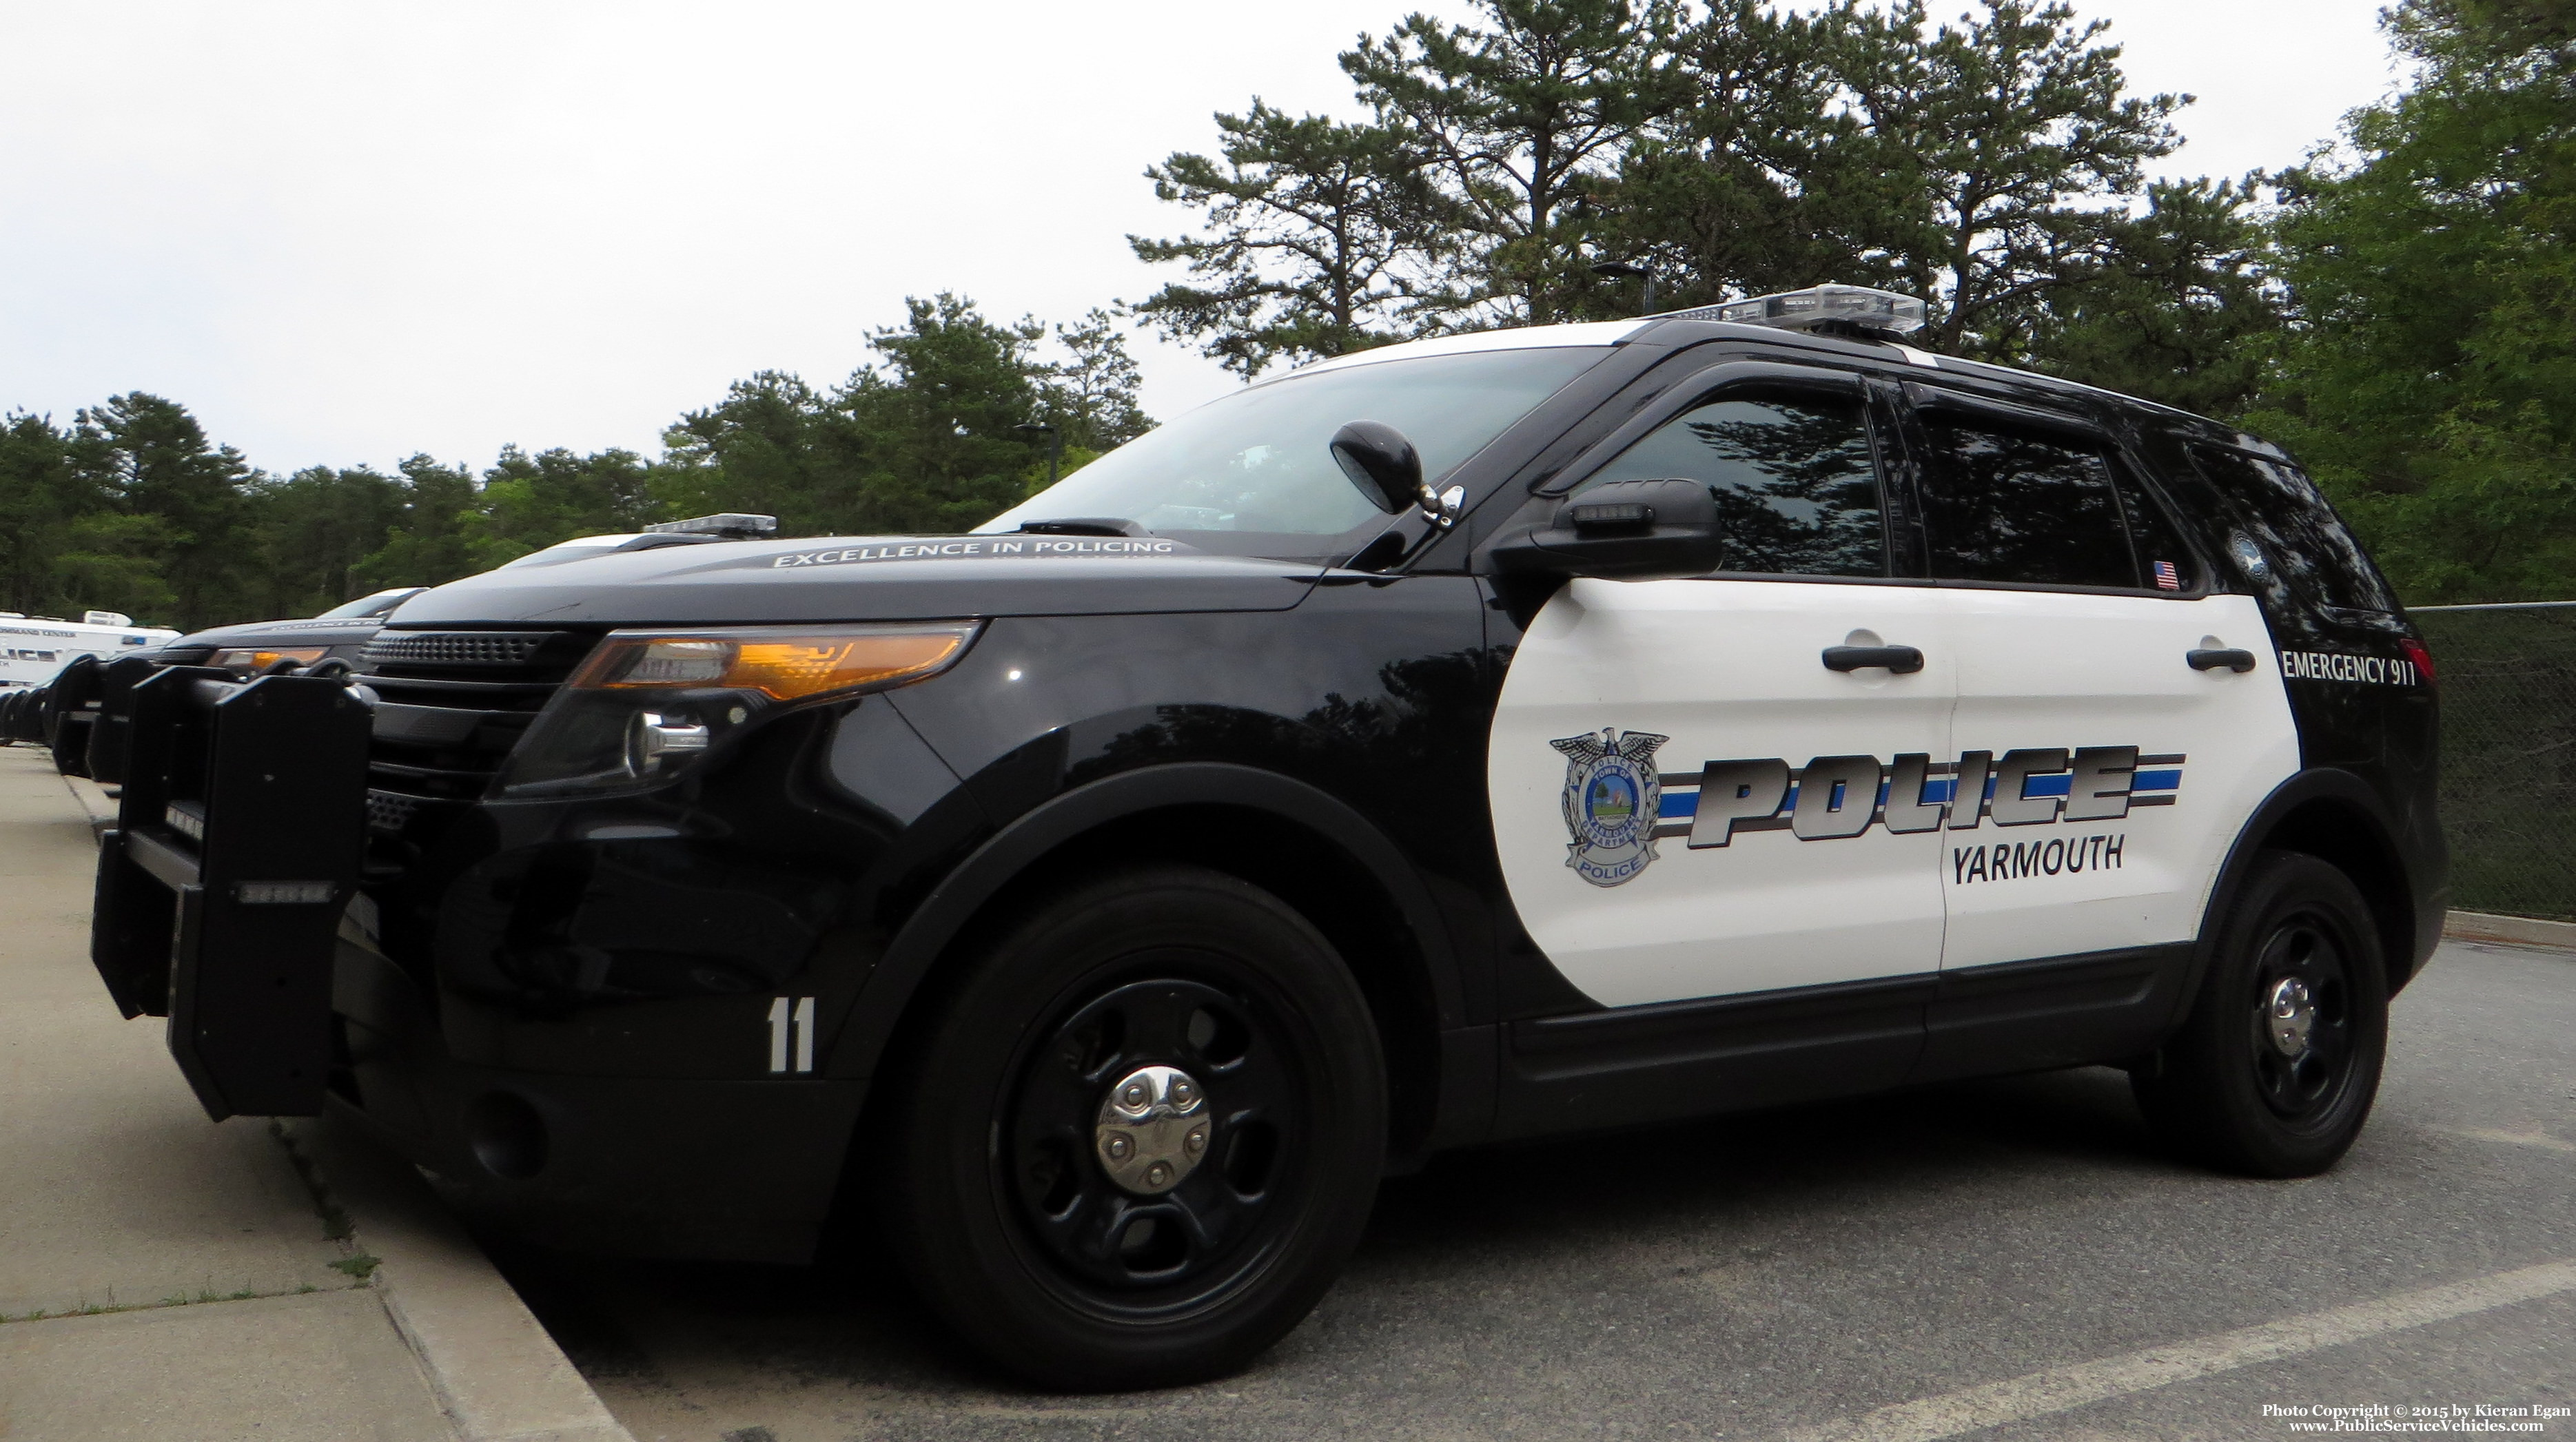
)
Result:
{"points": [[2010, 1260]]}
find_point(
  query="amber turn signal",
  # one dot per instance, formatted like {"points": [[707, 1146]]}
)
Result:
{"points": [[780, 662], [247, 658]]}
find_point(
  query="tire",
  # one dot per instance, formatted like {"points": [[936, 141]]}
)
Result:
{"points": [[2274, 1071], [1002, 1200]]}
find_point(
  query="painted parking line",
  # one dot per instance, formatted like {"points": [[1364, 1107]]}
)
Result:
{"points": [[2063, 1389], [2532, 1138]]}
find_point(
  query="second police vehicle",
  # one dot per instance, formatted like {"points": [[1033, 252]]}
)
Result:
{"points": [[1484, 738]]}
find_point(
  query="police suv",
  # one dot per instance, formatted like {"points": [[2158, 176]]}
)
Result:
{"points": [[1487, 738]]}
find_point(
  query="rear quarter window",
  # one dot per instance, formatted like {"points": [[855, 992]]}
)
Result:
{"points": [[2288, 518]]}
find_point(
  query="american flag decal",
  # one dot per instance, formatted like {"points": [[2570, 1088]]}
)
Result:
{"points": [[2167, 578]]}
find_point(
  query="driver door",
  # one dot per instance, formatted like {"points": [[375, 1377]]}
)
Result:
{"points": [[1690, 800]]}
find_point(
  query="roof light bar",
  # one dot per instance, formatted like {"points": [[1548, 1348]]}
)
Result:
{"points": [[728, 523], [1825, 307]]}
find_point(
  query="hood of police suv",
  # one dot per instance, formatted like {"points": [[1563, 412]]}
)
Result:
{"points": [[336, 631], [876, 578]]}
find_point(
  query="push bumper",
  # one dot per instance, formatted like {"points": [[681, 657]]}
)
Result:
{"points": [[636, 1166], [223, 902], [238, 842]]}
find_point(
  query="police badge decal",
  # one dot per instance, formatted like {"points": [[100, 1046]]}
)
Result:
{"points": [[1612, 800]]}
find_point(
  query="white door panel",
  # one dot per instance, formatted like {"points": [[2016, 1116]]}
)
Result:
{"points": [[2053, 669], [1722, 670]]}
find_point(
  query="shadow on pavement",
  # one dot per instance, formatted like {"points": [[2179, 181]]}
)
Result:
{"points": [[651, 1325]]}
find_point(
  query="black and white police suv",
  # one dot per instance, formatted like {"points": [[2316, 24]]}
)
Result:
{"points": [[1485, 738]]}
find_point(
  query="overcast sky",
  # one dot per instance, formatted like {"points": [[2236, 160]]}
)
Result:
{"points": [[343, 232]]}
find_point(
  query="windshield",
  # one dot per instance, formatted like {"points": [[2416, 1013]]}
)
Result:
{"points": [[375, 605], [1253, 474]]}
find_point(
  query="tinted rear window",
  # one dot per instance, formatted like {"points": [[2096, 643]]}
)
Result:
{"points": [[2288, 517], [2008, 506]]}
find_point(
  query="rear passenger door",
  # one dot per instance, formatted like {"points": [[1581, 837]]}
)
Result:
{"points": [[2103, 775]]}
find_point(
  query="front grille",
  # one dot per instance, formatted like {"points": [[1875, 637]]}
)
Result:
{"points": [[390, 810], [478, 649], [450, 707]]}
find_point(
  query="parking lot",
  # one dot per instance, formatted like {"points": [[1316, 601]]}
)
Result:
{"points": [[2002, 1260]]}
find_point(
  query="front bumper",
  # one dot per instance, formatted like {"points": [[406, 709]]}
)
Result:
{"points": [[743, 1170], [651, 1126]]}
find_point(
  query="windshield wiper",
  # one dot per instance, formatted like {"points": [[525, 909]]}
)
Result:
{"points": [[1084, 526]]}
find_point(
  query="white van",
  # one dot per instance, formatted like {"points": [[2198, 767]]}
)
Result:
{"points": [[33, 648]]}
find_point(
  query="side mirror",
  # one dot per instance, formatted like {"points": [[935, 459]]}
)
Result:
{"points": [[1624, 531], [1382, 463]]}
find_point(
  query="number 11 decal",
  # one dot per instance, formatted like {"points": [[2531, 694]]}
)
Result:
{"points": [[791, 1034]]}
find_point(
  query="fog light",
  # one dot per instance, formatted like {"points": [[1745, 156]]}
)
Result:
{"points": [[653, 738], [507, 1135]]}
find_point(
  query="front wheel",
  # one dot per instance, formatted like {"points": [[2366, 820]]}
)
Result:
{"points": [[2274, 1072], [1136, 1141]]}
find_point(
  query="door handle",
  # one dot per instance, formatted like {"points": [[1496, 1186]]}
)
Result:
{"points": [[1903, 660], [2211, 658]]}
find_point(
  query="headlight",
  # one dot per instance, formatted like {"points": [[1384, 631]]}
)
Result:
{"points": [[252, 660], [647, 704]]}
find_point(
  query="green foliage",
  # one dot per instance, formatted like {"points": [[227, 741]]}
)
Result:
{"points": [[44, 489], [2430, 376], [427, 541], [1988, 165], [531, 502], [2002, 138], [1760, 179], [2403, 314], [131, 508], [924, 440], [154, 461], [1519, 120], [2177, 310], [115, 554], [313, 533], [1317, 230]]}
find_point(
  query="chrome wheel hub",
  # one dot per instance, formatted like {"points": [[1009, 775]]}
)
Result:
{"points": [[1152, 1130], [2289, 1015]]}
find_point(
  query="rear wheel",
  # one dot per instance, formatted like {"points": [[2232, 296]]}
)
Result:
{"points": [[2275, 1070], [1140, 1136]]}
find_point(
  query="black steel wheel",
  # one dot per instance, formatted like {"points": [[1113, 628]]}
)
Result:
{"points": [[2302, 1018], [1140, 1133], [1144, 1244], [2274, 1071]]}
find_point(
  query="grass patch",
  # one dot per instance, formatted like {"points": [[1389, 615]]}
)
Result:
{"points": [[336, 1224], [176, 1299]]}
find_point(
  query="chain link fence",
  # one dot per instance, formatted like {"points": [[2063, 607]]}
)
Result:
{"points": [[2508, 679]]}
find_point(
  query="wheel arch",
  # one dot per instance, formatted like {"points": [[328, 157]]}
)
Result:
{"points": [[2336, 817], [1302, 844]]}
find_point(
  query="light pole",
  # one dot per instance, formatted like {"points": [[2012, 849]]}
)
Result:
{"points": [[1622, 270], [1055, 443]]}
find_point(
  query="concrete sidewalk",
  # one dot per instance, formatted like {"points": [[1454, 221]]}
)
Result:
{"points": [[163, 1276]]}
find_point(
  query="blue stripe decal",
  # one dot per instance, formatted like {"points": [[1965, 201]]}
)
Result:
{"points": [[1682, 804]]}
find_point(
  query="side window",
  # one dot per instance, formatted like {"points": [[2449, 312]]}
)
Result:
{"points": [[2013, 506], [2300, 533], [2163, 560], [1796, 485]]}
